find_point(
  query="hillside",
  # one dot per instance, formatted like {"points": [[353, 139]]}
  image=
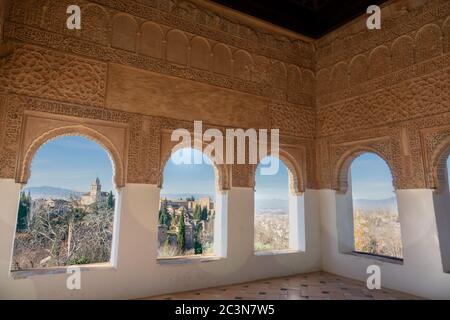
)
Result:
{"points": [[46, 192]]}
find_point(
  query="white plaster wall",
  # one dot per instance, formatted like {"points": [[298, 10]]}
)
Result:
{"points": [[421, 273], [442, 209], [138, 274]]}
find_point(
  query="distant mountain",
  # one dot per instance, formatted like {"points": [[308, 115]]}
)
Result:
{"points": [[47, 192], [177, 196], [389, 204], [271, 206]]}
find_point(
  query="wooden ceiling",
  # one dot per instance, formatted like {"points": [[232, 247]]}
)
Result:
{"points": [[312, 18]]}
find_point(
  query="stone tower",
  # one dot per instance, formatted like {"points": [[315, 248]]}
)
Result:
{"points": [[96, 189]]}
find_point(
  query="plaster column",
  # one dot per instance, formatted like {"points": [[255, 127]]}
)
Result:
{"points": [[328, 227], [240, 223], [138, 230], [10, 192], [344, 221], [221, 224], [297, 222], [419, 233], [442, 209]]}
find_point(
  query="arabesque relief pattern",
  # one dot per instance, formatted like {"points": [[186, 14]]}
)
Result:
{"points": [[48, 74], [352, 91], [378, 91], [171, 38]]}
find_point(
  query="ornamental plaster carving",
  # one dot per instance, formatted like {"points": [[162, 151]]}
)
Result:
{"points": [[150, 37], [252, 79], [344, 154], [48, 74], [40, 128], [436, 144], [386, 92], [222, 171]]}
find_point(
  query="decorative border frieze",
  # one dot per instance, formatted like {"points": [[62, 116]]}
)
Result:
{"points": [[419, 97], [344, 43], [140, 163], [343, 154], [267, 88], [436, 150], [188, 17]]}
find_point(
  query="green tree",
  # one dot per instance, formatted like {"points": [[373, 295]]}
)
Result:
{"points": [[165, 218], [24, 210], [197, 212], [181, 233], [111, 201], [198, 248], [204, 214]]}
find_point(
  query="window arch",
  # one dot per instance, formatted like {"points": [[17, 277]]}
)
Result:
{"points": [[72, 130], [66, 211], [191, 217], [376, 224], [279, 209]]}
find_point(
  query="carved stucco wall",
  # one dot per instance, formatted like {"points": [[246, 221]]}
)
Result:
{"points": [[151, 66], [386, 91], [157, 65]]}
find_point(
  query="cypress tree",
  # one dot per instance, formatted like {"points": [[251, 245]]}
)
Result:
{"points": [[110, 200], [165, 218], [197, 212], [24, 210], [181, 233], [204, 214], [198, 247], [161, 217]]}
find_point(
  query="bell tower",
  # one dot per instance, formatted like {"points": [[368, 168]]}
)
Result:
{"points": [[96, 188]]}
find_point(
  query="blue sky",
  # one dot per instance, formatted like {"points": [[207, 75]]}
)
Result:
{"points": [[189, 178], [272, 186], [71, 163], [74, 162], [371, 178]]}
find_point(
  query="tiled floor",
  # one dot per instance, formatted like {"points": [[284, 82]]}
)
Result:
{"points": [[313, 286]]}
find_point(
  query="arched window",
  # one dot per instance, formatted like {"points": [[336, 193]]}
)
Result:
{"points": [[279, 213], [191, 212], [66, 211], [375, 216]]}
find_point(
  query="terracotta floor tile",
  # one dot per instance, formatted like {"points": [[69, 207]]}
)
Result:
{"points": [[312, 286]]}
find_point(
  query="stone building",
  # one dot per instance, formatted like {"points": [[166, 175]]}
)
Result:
{"points": [[95, 195], [204, 202], [135, 72]]}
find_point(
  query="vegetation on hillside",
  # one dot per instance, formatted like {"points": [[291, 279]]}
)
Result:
{"points": [[271, 232], [62, 232], [377, 232]]}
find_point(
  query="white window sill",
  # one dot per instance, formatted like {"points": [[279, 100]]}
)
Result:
{"points": [[276, 252], [27, 273], [376, 257], [187, 260]]}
